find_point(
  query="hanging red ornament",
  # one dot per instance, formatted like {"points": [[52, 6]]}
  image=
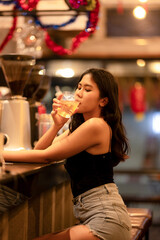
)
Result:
{"points": [[11, 31], [138, 100], [120, 7]]}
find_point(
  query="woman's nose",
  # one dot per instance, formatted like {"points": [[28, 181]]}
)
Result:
{"points": [[79, 93]]}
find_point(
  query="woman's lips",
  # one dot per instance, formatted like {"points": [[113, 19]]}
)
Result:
{"points": [[77, 100], [78, 103]]}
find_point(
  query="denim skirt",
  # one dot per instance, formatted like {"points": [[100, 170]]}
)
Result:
{"points": [[103, 211]]}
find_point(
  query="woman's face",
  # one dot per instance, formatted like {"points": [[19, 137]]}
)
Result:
{"points": [[88, 95]]}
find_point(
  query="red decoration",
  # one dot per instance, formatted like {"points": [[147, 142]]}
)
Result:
{"points": [[145, 6], [30, 6], [120, 7], [41, 109], [76, 41], [138, 99], [10, 33], [77, 3]]}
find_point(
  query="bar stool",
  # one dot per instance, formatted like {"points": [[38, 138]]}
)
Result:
{"points": [[141, 220]]}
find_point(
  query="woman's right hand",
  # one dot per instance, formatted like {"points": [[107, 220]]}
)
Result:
{"points": [[58, 120]]}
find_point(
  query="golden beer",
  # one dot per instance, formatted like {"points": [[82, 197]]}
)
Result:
{"points": [[67, 108]]}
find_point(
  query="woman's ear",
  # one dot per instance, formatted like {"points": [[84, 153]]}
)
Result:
{"points": [[103, 102]]}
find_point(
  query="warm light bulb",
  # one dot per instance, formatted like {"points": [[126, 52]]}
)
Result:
{"points": [[41, 72], [65, 72], [155, 123], [143, 1], [154, 67], [141, 62], [139, 12]]}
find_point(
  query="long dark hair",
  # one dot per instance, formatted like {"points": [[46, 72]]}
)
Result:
{"points": [[111, 113]]}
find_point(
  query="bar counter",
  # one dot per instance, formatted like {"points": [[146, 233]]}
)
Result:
{"points": [[35, 199]]}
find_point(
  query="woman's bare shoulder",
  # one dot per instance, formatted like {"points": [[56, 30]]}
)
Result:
{"points": [[97, 124]]}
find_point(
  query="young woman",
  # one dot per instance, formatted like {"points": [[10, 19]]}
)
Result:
{"points": [[94, 143]]}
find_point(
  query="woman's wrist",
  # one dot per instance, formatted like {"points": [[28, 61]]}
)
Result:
{"points": [[56, 127]]}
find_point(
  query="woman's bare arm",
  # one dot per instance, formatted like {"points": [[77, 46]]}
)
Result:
{"points": [[47, 139], [58, 122], [28, 156], [89, 134]]}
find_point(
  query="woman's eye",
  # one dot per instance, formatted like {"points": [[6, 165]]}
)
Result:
{"points": [[88, 90]]}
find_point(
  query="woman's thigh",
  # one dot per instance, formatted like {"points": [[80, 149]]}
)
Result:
{"points": [[79, 232]]}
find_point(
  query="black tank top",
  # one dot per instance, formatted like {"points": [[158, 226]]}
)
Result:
{"points": [[88, 171]]}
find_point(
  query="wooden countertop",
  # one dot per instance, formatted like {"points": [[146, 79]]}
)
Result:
{"points": [[30, 179]]}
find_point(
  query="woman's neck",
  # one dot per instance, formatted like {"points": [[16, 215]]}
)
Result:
{"points": [[88, 116]]}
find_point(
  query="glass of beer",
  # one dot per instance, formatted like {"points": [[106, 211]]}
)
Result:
{"points": [[68, 105]]}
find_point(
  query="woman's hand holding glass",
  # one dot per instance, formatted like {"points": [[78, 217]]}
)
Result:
{"points": [[68, 105], [58, 120], [65, 105]]}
